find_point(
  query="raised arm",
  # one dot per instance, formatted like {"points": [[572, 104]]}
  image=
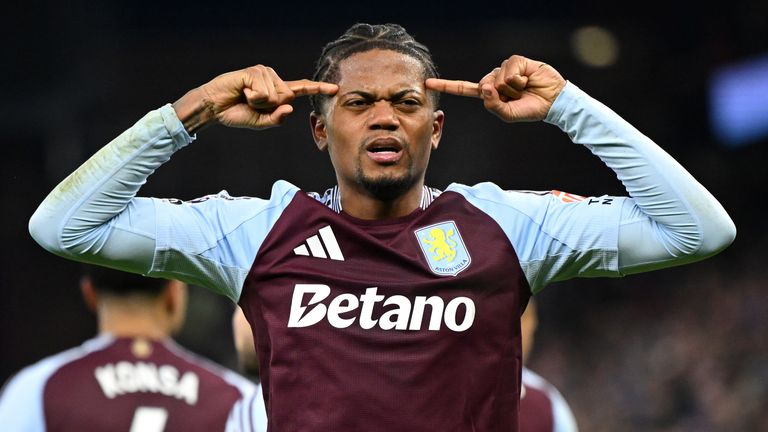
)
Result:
{"points": [[670, 219], [93, 215], [253, 98], [519, 90]]}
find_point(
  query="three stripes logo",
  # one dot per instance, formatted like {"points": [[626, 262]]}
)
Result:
{"points": [[325, 246]]}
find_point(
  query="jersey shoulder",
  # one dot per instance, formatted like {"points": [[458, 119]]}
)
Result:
{"points": [[21, 398], [248, 414], [562, 415], [217, 372], [37, 373], [211, 241], [524, 201]]}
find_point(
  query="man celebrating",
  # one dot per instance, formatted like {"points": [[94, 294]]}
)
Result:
{"points": [[383, 304]]}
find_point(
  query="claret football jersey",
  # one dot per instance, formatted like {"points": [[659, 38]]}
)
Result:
{"points": [[403, 324], [364, 330]]}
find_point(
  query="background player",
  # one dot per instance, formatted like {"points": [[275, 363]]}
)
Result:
{"points": [[542, 407], [132, 376], [385, 296]]}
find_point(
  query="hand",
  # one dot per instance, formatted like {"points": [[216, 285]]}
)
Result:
{"points": [[520, 89], [255, 98]]}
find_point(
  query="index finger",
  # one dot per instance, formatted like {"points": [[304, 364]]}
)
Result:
{"points": [[454, 87], [305, 87]]}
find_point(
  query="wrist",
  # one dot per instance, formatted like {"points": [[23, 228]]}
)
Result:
{"points": [[194, 111]]}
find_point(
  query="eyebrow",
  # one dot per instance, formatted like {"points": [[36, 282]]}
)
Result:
{"points": [[370, 96]]}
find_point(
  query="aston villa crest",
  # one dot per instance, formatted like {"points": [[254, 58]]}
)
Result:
{"points": [[443, 248]]}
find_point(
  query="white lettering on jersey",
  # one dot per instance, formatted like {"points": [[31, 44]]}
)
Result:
{"points": [[126, 377], [341, 312]]}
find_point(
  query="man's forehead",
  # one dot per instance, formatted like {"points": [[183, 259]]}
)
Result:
{"points": [[395, 92], [380, 65]]}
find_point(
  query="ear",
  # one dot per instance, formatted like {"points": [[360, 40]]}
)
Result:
{"points": [[319, 132], [90, 296], [175, 298], [437, 128], [175, 295], [245, 345]]}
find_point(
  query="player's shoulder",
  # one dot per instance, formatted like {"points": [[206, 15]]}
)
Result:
{"points": [[280, 190], [248, 414], [36, 375], [533, 379], [528, 203], [561, 410], [22, 396], [213, 372], [230, 211], [492, 191]]}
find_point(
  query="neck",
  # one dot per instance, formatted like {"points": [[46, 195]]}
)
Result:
{"points": [[134, 318], [362, 205]]}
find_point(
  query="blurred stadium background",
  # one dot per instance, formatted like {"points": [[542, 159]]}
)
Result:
{"points": [[684, 349]]}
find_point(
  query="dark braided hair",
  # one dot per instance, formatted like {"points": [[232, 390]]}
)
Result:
{"points": [[363, 37]]}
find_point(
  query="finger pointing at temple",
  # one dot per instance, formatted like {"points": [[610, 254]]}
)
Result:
{"points": [[454, 87], [305, 87]]}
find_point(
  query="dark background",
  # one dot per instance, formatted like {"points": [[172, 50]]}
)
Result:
{"points": [[680, 349]]}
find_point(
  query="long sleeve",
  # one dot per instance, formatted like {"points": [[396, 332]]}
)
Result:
{"points": [[78, 220], [21, 401], [671, 218], [668, 218], [95, 216]]}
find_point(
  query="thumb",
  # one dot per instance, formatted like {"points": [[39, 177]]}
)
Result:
{"points": [[492, 101], [279, 115]]}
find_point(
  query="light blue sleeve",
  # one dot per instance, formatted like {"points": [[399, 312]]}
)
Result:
{"points": [[77, 219], [562, 416], [94, 215], [212, 241], [668, 219], [553, 240], [21, 402], [248, 414], [561, 413]]}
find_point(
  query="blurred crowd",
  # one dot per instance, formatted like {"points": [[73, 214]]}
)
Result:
{"points": [[692, 357]]}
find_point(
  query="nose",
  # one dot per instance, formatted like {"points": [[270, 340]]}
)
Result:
{"points": [[382, 115]]}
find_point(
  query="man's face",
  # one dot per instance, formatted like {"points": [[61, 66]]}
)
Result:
{"points": [[381, 126]]}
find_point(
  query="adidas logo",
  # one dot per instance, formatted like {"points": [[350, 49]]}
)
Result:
{"points": [[316, 244]]}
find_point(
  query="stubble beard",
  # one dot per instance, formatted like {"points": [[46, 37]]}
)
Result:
{"points": [[385, 187]]}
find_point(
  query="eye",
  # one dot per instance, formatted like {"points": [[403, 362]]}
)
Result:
{"points": [[408, 105], [356, 103]]}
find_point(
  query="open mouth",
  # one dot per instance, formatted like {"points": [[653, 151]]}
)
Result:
{"points": [[384, 150]]}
